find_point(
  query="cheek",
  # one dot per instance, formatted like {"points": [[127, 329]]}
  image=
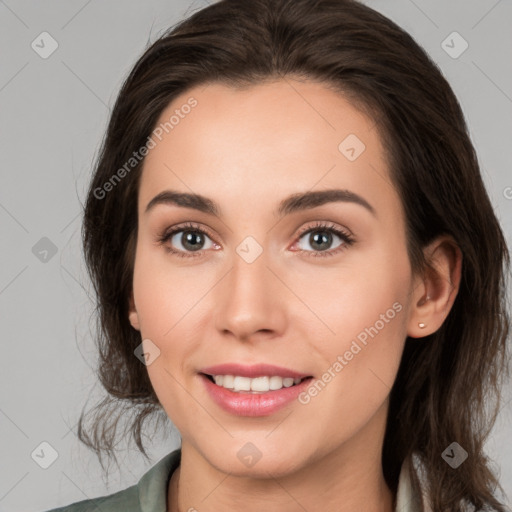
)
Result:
{"points": [[366, 311], [172, 308], [165, 305], [163, 293], [353, 297]]}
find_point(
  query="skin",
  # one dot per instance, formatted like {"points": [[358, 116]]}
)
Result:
{"points": [[247, 150]]}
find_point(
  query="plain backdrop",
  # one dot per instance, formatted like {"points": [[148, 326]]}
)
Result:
{"points": [[53, 114]]}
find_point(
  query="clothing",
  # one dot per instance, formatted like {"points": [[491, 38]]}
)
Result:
{"points": [[150, 494]]}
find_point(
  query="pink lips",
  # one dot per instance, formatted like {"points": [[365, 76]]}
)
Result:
{"points": [[252, 404], [257, 370]]}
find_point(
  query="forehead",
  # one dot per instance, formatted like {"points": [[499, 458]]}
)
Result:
{"points": [[265, 141]]}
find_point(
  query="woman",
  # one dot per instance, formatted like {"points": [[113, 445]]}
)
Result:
{"points": [[296, 259]]}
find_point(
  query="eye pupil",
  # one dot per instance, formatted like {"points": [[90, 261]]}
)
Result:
{"points": [[323, 239], [190, 237]]}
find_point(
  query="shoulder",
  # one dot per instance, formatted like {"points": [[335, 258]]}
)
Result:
{"points": [[148, 495], [126, 500]]}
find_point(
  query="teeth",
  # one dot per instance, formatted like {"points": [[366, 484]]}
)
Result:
{"points": [[258, 384], [228, 381], [242, 384]]}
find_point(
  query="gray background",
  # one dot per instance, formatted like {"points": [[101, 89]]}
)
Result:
{"points": [[53, 115]]}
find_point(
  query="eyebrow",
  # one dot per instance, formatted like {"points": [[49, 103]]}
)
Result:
{"points": [[293, 203]]}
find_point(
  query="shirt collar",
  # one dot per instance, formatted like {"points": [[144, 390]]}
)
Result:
{"points": [[154, 483], [411, 492]]}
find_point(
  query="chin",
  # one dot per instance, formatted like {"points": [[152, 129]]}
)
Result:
{"points": [[249, 461]]}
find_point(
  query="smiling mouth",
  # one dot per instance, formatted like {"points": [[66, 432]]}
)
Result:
{"points": [[256, 385]]}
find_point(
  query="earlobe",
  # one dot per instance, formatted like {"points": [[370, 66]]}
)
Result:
{"points": [[132, 314], [435, 293]]}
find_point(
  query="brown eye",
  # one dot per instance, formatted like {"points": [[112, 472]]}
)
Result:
{"points": [[186, 240], [189, 240], [320, 238]]}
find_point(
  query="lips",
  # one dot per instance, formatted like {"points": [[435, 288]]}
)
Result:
{"points": [[257, 370], [244, 402]]}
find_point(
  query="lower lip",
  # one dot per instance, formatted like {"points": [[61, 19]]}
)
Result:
{"points": [[253, 404]]}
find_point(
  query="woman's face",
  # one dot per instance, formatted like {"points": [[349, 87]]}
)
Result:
{"points": [[318, 287]]}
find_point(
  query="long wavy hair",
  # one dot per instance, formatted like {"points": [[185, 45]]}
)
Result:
{"points": [[448, 384]]}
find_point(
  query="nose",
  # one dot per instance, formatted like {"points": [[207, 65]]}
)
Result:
{"points": [[252, 301]]}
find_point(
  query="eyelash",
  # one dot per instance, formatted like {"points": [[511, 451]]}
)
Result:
{"points": [[347, 239]]}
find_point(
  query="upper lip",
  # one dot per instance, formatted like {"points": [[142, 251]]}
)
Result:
{"points": [[252, 371]]}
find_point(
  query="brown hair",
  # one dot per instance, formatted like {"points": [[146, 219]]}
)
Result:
{"points": [[448, 384]]}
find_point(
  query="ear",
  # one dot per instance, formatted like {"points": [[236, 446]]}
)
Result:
{"points": [[132, 313], [434, 293]]}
